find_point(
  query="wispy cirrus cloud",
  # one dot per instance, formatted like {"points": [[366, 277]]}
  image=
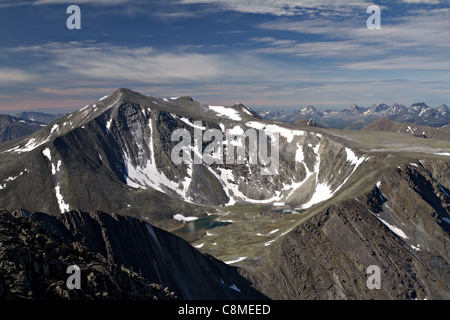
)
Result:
{"points": [[9, 76], [16, 3], [413, 41], [140, 64], [281, 7], [422, 1], [317, 49]]}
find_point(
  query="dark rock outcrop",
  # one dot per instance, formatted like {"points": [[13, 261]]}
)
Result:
{"points": [[118, 247], [34, 261], [402, 226]]}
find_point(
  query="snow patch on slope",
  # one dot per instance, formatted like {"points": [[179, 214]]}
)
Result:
{"points": [[149, 176], [46, 152], [188, 122], [108, 125], [394, 229], [323, 191], [63, 206], [180, 217], [226, 112], [269, 129], [236, 260]]}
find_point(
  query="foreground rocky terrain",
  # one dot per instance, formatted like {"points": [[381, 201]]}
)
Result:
{"points": [[119, 258], [402, 225], [34, 261]]}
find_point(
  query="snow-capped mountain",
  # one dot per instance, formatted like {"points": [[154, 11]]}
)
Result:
{"points": [[355, 117], [125, 138]]}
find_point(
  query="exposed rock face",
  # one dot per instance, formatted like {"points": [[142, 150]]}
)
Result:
{"points": [[128, 254], [247, 110], [34, 261], [402, 225], [116, 155]]}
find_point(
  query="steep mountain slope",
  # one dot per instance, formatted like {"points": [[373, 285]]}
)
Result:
{"points": [[34, 263], [119, 257], [355, 117], [440, 133], [12, 128], [116, 155], [401, 225], [247, 110]]}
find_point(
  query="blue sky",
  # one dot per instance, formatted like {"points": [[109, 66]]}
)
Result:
{"points": [[263, 53]]}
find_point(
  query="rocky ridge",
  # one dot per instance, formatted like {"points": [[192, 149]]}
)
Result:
{"points": [[34, 261], [119, 257], [401, 225]]}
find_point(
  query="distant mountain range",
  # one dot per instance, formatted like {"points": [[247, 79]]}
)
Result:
{"points": [[24, 123], [13, 127], [355, 117], [39, 116]]}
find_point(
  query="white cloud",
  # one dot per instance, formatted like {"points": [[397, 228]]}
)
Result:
{"points": [[87, 61], [10, 76], [409, 63], [142, 64], [69, 2], [418, 33], [280, 7], [14, 3], [320, 49], [422, 1]]}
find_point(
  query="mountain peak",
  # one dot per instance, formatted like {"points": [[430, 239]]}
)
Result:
{"points": [[419, 105], [354, 107], [123, 91], [398, 105], [379, 107], [247, 110], [124, 94], [309, 108], [443, 108]]}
